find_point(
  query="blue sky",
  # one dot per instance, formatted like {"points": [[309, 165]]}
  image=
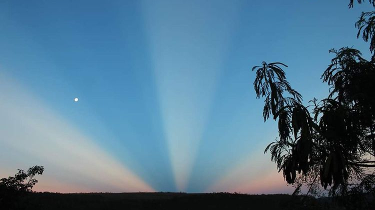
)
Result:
{"points": [[165, 88]]}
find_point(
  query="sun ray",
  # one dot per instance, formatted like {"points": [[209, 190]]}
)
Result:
{"points": [[187, 52], [37, 135]]}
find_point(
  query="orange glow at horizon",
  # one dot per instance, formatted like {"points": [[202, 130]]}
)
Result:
{"points": [[252, 177]]}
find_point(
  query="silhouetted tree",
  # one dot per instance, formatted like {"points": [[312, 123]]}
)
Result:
{"points": [[329, 142], [366, 25], [351, 3], [293, 119], [13, 187], [333, 143]]}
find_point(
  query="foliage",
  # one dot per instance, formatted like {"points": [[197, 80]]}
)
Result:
{"points": [[330, 141], [13, 187], [22, 181], [366, 25], [271, 83], [351, 3]]}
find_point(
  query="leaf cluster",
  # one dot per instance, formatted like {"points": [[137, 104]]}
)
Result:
{"points": [[336, 137], [351, 3], [22, 181], [333, 142], [14, 187], [339, 132]]}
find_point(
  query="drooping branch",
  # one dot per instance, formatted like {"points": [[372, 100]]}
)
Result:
{"points": [[362, 165], [351, 3]]}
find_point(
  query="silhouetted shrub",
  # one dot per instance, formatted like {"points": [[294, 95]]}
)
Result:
{"points": [[17, 186]]}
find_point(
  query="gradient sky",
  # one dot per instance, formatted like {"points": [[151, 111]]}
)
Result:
{"points": [[166, 101]]}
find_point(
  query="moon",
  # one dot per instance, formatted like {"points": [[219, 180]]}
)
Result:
{"points": [[75, 99]]}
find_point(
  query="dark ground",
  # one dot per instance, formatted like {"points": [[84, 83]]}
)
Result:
{"points": [[165, 201]]}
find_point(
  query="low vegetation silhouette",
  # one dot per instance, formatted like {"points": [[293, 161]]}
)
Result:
{"points": [[163, 201], [13, 188], [327, 146]]}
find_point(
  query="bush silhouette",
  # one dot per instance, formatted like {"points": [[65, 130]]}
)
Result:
{"points": [[14, 187]]}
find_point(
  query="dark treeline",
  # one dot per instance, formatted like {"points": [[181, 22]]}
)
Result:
{"points": [[165, 201]]}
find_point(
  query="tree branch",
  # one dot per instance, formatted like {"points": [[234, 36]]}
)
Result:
{"points": [[362, 165]]}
